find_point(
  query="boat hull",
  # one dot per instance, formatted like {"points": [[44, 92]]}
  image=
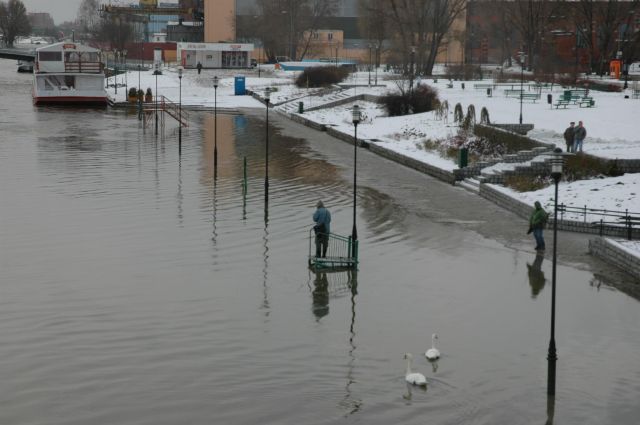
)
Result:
{"points": [[71, 100]]}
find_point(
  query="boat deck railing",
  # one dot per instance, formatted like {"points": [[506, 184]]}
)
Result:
{"points": [[84, 67], [342, 253]]}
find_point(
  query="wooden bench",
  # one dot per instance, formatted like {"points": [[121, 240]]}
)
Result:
{"points": [[483, 86], [561, 102], [587, 102]]}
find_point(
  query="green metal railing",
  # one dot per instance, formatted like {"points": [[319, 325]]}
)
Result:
{"points": [[342, 252]]}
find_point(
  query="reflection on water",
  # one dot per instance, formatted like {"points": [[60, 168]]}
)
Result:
{"points": [[551, 408], [320, 295], [536, 275]]}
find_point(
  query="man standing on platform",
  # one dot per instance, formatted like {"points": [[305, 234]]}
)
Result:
{"points": [[322, 218]]}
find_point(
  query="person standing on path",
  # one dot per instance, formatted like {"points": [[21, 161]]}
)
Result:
{"points": [[199, 66], [580, 135], [569, 135], [537, 222], [322, 228]]}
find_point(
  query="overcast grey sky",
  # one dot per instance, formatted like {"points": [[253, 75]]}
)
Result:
{"points": [[60, 10]]}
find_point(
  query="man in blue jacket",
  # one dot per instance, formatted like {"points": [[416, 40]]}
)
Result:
{"points": [[322, 218]]}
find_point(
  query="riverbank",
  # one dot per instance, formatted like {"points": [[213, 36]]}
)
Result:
{"points": [[406, 139]]}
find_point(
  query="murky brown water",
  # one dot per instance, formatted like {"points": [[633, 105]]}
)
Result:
{"points": [[135, 291]]}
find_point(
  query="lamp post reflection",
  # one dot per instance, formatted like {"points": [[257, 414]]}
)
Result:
{"points": [[180, 71]]}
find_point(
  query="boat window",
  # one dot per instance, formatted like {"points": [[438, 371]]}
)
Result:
{"points": [[50, 56], [72, 57]]}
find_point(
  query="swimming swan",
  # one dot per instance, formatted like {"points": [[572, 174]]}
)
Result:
{"points": [[433, 353], [414, 378]]}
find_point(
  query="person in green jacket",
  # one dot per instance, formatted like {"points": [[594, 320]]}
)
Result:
{"points": [[537, 222]]}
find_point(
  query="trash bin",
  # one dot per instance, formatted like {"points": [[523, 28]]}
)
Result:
{"points": [[462, 86], [301, 107], [489, 92], [240, 88], [463, 157], [549, 98]]}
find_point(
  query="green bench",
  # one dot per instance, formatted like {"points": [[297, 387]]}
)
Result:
{"points": [[483, 86], [530, 96], [636, 94], [561, 102], [587, 102], [513, 92]]}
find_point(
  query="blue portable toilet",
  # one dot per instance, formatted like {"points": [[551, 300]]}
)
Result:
{"points": [[240, 85]]}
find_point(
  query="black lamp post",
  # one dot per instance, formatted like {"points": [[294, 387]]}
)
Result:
{"points": [[369, 64], [180, 70], [267, 98], [356, 117], [413, 57], [216, 80], [115, 72], [376, 62], [521, 82], [138, 96], [126, 70], [557, 162], [156, 100]]}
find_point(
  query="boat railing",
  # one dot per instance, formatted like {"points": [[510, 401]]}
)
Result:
{"points": [[342, 252], [84, 67]]}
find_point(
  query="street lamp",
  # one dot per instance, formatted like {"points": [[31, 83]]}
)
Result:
{"points": [[376, 62], [521, 82], [413, 57], [267, 97], [356, 117], [369, 64], [557, 162], [115, 70], [156, 100], [216, 80], [180, 70], [138, 96], [126, 70]]}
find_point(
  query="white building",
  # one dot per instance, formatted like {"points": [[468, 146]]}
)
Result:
{"points": [[215, 55]]}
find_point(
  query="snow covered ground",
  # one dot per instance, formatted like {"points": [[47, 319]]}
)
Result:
{"points": [[611, 124]]}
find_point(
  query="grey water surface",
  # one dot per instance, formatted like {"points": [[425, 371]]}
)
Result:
{"points": [[137, 289]]}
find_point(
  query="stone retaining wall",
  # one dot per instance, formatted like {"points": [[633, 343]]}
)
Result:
{"points": [[363, 97], [613, 254], [524, 210]]}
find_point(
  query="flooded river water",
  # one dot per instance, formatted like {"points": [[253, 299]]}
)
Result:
{"points": [[135, 290]]}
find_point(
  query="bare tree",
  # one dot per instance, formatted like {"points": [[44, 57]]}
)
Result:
{"points": [[13, 20], [88, 16], [287, 26], [530, 18], [116, 30], [374, 24], [421, 26]]}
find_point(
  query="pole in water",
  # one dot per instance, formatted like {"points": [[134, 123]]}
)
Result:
{"points": [[244, 176]]}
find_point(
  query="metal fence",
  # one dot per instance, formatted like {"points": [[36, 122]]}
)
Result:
{"points": [[603, 219], [342, 252]]}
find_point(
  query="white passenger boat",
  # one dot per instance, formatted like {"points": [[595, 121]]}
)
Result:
{"points": [[69, 73]]}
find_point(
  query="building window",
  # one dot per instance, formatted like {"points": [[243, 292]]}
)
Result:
{"points": [[330, 36]]}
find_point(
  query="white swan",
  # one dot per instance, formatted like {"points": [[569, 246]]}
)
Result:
{"points": [[414, 378], [433, 353]]}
